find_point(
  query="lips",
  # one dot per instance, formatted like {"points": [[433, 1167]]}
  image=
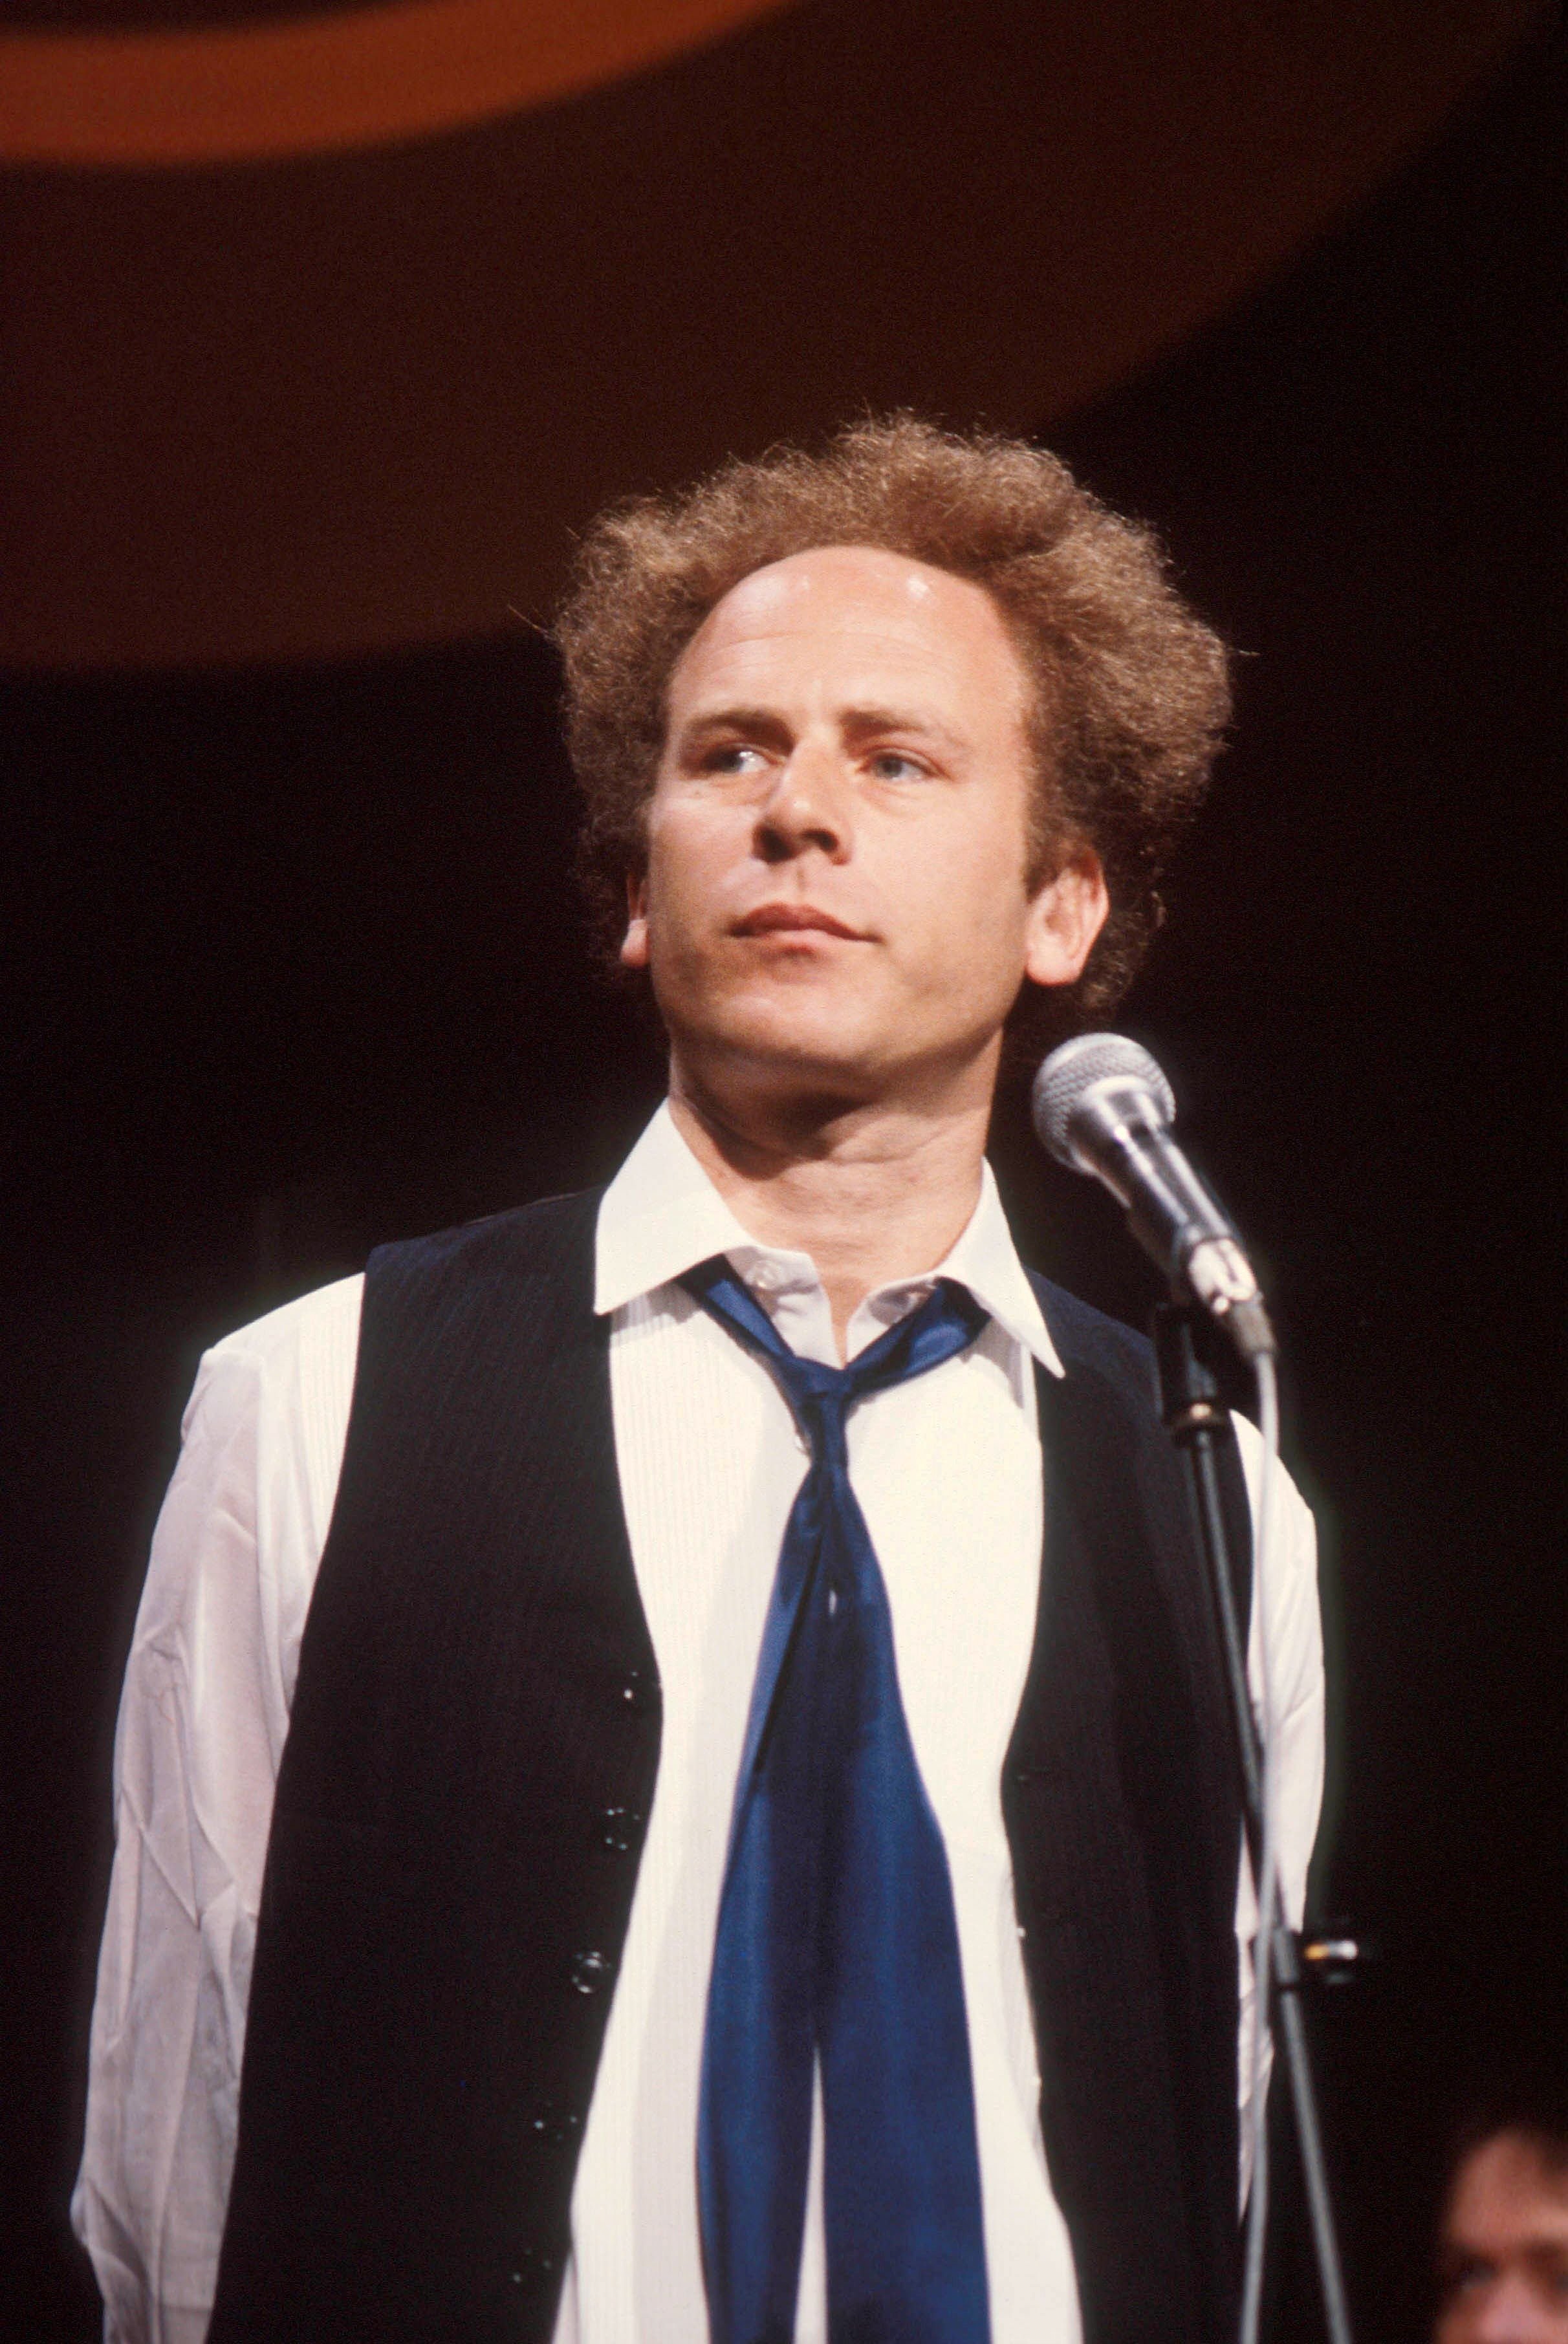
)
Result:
{"points": [[784, 919]]}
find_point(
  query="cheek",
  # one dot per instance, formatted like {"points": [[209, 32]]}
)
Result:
{"points": [[979, 899], [691, 844], [675, 870], [692, 865]]}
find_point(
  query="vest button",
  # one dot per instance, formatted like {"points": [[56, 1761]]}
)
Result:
{"points": [[590, 1971], [618, 1829], [550, 2125], [634, 1692]]}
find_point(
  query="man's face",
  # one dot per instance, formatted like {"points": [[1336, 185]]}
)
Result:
{"points": [[1505, 2248], [835, 887]]}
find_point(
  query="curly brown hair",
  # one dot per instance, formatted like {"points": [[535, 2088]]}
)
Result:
{"points": [[1130, 692]]}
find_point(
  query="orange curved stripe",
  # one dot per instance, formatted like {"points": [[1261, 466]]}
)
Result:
{"points": [[314, 84]]}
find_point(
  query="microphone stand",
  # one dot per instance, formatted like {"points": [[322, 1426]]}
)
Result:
{"points": [[1196, 1417]]}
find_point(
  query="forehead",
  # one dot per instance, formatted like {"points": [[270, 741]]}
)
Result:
{"points": [[839, 610], [1508, 2185]]}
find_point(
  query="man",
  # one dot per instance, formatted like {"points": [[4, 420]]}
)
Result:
{"points": [[1502, 2253], [750, 1841]]}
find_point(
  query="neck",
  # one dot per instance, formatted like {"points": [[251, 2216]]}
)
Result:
{"points": [[872, 1190]]}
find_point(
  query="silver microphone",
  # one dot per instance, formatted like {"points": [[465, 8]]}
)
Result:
{"points": [[1102, 1105]]}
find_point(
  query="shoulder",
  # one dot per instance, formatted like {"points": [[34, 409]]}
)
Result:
{"points": [[302, 1325], [553, 1235], [1118, 1365], [297, 1364], [492, 1299], [294, 1349], [1089, 1341]]}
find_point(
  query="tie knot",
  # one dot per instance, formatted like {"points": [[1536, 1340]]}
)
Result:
{"points": [[820, 1412], [821, 1397]]}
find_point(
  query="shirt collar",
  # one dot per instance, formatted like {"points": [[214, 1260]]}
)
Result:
{"points": [[661, 1215]]}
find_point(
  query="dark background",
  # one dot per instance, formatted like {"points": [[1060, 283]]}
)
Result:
{"points": [[295, 965]]}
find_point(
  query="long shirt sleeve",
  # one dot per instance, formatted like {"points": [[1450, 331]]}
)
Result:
{"points": [[202, 1721]]}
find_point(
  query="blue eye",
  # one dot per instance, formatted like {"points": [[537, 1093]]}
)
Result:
{"points": [[893, 765]]}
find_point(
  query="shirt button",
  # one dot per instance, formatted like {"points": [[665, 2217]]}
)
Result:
{"points": [[590, 1971]]}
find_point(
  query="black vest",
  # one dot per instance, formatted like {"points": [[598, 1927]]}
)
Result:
{"points": [[464, 1793]]}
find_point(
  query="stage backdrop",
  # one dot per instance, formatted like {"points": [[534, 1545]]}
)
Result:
{"points": [[322, 338]]}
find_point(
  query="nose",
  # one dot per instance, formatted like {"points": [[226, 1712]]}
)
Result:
{"points": [[1516, 2312], [809, 805]]}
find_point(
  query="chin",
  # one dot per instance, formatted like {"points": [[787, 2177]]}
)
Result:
{"points": [[792, 1042]]}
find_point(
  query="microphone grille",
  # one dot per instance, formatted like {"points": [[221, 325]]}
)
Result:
{"points": [[1075, 1067]]}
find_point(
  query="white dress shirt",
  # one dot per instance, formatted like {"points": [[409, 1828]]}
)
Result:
{"points": [[947, 1470]]}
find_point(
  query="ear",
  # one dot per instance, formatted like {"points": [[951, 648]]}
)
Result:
{"points": [[1065, 917], [634, 943]]}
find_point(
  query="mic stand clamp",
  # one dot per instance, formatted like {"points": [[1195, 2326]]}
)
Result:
{"points": [[1193, 1408]]}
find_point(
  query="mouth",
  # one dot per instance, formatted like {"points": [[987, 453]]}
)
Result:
{"points": [[794, 919]]}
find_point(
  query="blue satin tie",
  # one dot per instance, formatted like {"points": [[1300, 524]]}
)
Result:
{"points": [[838, 1945]]}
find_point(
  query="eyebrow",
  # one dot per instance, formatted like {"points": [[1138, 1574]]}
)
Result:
{"points": [[858, 721], [737, 719], [858, 724]]}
